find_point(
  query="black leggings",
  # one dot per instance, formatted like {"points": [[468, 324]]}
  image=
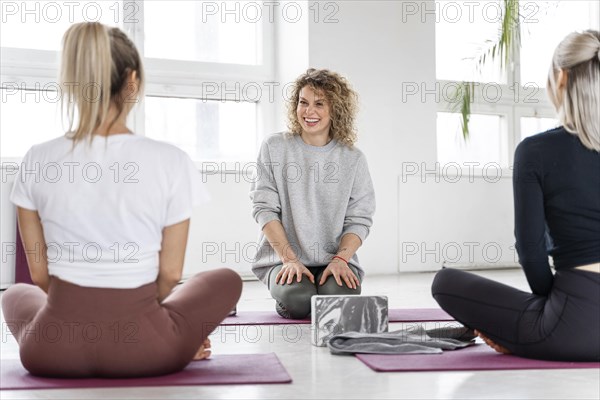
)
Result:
{"points": [[565, 325]]}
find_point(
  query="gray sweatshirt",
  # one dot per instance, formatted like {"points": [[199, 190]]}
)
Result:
{"points": [[318, 193]]}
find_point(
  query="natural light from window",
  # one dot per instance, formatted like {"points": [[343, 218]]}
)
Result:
{"points": [[208, 38]]}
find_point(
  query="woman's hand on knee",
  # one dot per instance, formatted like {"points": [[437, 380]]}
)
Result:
{"points": [[293, 269], [203, 352], [341, 273]]}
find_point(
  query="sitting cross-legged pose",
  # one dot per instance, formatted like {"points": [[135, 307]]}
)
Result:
{"points": [[105, 230], [556, 186], [313, 197]]}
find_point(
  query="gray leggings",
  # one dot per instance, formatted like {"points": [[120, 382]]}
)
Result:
{"points": [[296, 296]]}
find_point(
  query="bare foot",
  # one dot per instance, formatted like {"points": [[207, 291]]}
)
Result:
{"points": [[492, 344], [203, 352]]}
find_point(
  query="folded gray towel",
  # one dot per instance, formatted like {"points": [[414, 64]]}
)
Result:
{"points": [[407, 341]]}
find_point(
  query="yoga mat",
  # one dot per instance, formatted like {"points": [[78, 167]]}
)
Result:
{"points": [[418, 315], [395, 315], [474, 358], [218, 370]]}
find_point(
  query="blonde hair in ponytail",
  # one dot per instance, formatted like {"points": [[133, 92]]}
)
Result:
{"points": [[578, 106], [96, 63]]}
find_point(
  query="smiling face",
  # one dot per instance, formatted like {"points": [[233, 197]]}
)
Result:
{"points": [[313, 113]]}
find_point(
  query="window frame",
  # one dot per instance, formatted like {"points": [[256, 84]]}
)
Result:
{"points": [[506, 107], [515, 100], [164, 77]]}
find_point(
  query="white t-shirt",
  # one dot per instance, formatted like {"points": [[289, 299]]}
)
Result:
{"points": [[103, 205]]}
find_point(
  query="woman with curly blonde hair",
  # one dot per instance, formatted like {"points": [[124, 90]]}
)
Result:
{"points": [[338, 93], [313, 197]]}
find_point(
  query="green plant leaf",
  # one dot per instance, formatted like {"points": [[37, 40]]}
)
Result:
{"points": [[504, 48]]}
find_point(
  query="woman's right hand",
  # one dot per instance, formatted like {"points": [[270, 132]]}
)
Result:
{"points": [[292, 269]]}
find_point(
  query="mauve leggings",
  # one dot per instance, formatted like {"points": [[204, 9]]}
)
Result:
{"points": [[565, 325], [77, 332]]}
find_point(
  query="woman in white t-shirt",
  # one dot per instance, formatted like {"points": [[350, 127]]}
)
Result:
{"points": [[104, 217]]}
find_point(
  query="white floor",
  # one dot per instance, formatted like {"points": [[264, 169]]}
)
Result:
{"points": [[318, 374]]}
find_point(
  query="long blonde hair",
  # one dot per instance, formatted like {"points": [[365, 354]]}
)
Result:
{"points": [[96, 63], [578, 106]]}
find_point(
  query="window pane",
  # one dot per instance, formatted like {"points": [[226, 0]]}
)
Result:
{"points": [[531, 125], [41, 25], [462, 32], [204, 129], [555, 19], [487, 141], [28, 118], [214, 31]]}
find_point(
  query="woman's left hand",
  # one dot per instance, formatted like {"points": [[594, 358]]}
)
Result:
{"points": [[341, 273], [203, 352]]}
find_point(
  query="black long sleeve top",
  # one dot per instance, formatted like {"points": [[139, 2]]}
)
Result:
{"points": [[556, 184]]}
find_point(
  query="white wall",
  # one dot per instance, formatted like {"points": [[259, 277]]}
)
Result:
{"points": [[460, 218], [222, 231], [377, 52], [7, 232]]}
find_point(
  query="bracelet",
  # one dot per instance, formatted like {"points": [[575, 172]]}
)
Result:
{"points": [[334, 257]]}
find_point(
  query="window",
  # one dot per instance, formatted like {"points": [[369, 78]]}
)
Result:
{"points": [[27, 118], [487, 143], [204, 129], [457, 47], [41, 25], [517, 96], [225, 39], [203, 64], [533, 125], [556, 20]]}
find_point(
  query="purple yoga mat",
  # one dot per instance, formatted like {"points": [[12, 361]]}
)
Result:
{"points": [[217, 370], [473, 358], [418, 315], [395, 315]]}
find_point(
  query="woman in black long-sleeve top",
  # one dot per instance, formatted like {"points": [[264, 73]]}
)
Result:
{"points": [[556, 186]]}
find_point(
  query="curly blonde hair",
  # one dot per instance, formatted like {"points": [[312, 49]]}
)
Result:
{"points": [[342, 99]]}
